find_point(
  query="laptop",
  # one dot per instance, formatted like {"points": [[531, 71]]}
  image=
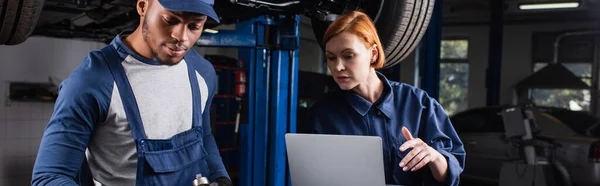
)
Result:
{"points": [[335, 160]]}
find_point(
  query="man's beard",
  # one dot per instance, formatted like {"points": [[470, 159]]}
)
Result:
{"points": [[147, 41], [145, 33]]}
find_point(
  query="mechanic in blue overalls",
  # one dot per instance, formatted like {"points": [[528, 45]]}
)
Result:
{"points": [[136, 112], [420, 146]]}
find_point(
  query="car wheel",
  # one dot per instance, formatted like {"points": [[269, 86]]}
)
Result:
{"points": [[18, 19], [400, 25]]}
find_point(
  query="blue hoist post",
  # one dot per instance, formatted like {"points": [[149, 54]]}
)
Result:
{"points": [[494, 70], [283, 98], [429, 53], [268, 47]]}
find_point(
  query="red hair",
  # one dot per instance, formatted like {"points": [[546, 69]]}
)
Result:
{"points": [[361, 25]]}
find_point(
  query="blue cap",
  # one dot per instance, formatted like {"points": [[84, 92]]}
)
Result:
{"points": [[204, 7]]}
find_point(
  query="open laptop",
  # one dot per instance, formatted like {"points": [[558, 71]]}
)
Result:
{"points": [[335, 160]]}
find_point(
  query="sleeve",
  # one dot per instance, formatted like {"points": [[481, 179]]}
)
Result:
{"points": [[66, 136], [440, 135], [215, 163]]}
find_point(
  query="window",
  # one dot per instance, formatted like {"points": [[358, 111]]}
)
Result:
{"points": [[454, 75], [576, 53], [576, 100]]}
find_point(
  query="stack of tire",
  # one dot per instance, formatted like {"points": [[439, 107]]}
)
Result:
{"points": [[400, 25]]}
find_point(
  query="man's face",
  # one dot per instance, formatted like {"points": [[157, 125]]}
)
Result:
{"points": [[170, 35]]}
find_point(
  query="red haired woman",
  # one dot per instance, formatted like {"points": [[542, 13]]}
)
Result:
{"points": [[419, 143]]}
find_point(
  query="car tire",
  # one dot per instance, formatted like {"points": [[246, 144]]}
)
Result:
{"points": [[400, 26], [18, 19]]}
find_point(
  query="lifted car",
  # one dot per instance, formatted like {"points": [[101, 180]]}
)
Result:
{"points": [[400, 23]]}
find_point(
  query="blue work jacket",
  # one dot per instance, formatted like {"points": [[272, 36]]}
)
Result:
{"points": [[347, 113], [97, 121]]}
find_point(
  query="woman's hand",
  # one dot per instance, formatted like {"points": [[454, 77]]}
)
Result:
{"points": [[421, 155]]}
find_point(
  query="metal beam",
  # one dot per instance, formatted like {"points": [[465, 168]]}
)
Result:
{"points": [[494, 71], [261, 109], [227, 38], [253, 165], [248, 56], [278, 117], [285, 37], [293, 101], [272, 63], [429, 66], [594, 108]]}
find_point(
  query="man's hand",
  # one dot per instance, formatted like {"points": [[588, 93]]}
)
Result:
{"points": [[221, 181], [420, 155]]}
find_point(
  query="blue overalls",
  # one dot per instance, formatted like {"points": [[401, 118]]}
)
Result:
{"points": [[174, 161], [400, 105]]}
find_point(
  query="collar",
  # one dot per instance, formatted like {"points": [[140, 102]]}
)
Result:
{"points": [[125, 51], [384, 103]]}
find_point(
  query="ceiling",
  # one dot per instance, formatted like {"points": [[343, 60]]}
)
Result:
{"points": [[470, 12]]}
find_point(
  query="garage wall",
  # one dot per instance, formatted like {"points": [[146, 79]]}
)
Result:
{"points": [[408, 70], [22, 124], [478, 58], [310, 55], [516, 57], [478, 37]]}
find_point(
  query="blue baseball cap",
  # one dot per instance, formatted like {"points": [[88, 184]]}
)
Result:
{"points": [[204, 7]]}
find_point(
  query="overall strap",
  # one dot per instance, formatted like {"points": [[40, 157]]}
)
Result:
{"points": [[196, 96]]}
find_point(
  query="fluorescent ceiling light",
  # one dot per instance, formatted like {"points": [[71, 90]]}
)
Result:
{"points": [[208, 30], [549, 6]]}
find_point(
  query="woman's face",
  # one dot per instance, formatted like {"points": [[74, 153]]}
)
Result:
{"points": [[349, 59]]}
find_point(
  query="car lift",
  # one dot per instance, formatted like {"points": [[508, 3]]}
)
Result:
{"points": [[268, 47]]}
